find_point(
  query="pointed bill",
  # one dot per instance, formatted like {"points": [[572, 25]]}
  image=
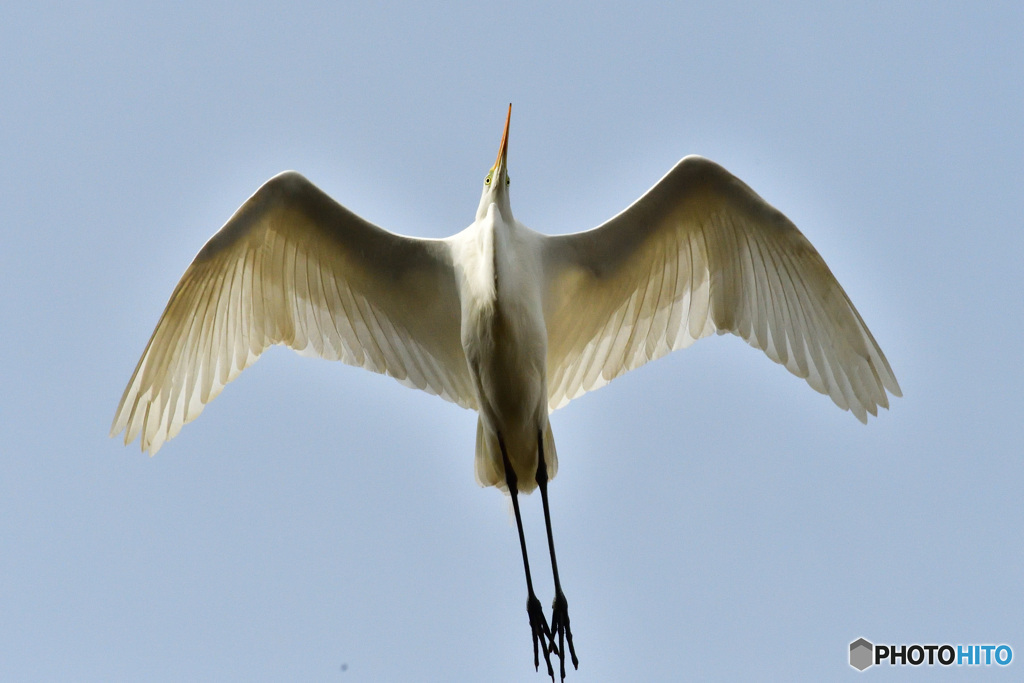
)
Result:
{"points": [[503, 150]]}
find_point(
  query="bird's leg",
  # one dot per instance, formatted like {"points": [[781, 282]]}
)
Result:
{"points": [[560, 607], [538, 624]]}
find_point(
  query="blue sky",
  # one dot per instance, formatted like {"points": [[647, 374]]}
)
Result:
{"points": [[714, 517]]}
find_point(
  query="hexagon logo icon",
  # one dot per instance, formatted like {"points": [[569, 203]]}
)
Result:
{"points": [[861, 654]]}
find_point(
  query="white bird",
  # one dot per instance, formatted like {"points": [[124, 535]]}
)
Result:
{"points": [[501, 319]]}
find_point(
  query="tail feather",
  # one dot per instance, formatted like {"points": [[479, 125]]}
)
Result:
{"points": [[490, 471]]}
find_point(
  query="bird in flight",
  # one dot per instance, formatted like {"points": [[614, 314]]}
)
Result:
{"points": [[503, 320]]}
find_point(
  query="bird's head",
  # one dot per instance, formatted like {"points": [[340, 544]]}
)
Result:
{"points": [[497, 181]]}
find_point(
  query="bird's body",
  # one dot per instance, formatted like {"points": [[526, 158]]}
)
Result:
{"points": [[499, 272], [502, 319]]}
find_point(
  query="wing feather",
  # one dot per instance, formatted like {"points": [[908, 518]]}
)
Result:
{"points": [[293, 267], [700, 253]]}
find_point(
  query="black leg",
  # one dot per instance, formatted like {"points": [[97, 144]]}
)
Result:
{"points": [[538, 624], [560, 607]]}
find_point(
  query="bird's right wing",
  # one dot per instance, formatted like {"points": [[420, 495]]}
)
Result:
{"points": [[701, 252], [294, 267]]}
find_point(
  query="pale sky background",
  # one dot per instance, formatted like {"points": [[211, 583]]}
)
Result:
{"points": [[714, 516]]}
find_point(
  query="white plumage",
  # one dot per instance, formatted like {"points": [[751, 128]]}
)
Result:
{"points": [[501, 319], [700, 252]]}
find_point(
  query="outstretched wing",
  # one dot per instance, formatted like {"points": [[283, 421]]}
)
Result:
{"points": [[294, 267], [701, 252]]}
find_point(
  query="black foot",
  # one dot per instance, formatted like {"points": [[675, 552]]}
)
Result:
{"points": [[542, 641], [560, 627]]}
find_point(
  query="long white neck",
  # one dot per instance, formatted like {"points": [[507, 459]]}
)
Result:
{"points": [[498, 198], [473, 255]]}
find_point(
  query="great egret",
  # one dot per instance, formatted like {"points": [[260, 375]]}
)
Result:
{"points": [[501, 319]]}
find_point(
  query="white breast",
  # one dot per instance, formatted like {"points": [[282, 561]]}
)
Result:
{"points": [[503, 334]]}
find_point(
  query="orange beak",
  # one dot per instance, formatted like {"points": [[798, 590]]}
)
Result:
{"points": [[503, 150]]}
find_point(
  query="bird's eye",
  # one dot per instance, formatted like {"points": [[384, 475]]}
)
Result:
{"points": [[508, 181], [487, 180]]}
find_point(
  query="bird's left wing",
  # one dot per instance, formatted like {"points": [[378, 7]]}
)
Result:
{"points": [[294, 267], [701, 252]]}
